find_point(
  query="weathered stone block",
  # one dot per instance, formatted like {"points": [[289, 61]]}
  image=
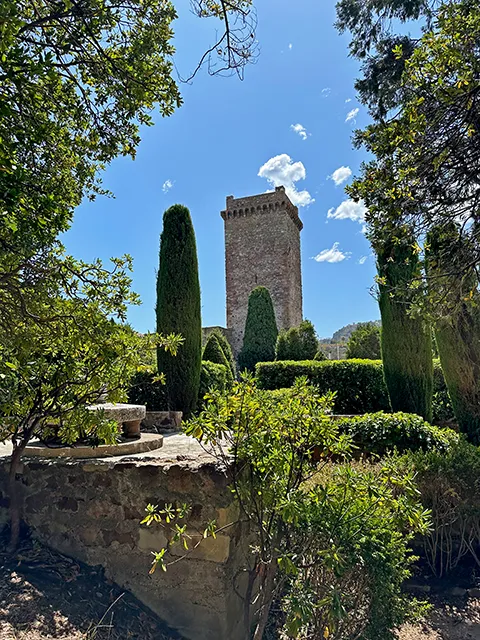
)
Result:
{"points": [[152, 539], [213, 549]]}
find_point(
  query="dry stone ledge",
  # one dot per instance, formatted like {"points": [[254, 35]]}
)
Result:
{"points": [[120, 412], [91, 510], [146, 442]]}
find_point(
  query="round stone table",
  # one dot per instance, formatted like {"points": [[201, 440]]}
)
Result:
{"points": [[128, 415]]}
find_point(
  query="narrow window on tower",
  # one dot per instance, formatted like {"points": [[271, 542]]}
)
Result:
{"points": [[256, 279]]}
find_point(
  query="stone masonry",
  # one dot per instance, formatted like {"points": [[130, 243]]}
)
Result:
{"points": [[262, 248], [91, 510]]}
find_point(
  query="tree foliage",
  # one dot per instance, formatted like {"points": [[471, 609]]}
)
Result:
{"points": [[297, 343], [213, 352], [227, 350], [336, 569], [178, 309], [260, 330], [364, 342], [50, 370], [457, 328], [406, 341], [427, 168]]}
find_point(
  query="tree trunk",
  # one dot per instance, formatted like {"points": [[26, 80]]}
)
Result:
{"points": [[15, 498], [267, 596]]}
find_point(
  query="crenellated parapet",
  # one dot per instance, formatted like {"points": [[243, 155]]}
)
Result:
{"points": [[259, 204]]}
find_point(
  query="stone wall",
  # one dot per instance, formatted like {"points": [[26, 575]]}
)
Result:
{"points": [[90, 510], [262, 248]]}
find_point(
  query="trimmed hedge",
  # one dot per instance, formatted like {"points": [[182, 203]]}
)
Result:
{"points": [[358, 384], [382, 432], [212, 376], [143, 389]]}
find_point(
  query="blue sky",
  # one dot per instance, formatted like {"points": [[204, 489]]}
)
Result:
{"points": [[217, 143]]}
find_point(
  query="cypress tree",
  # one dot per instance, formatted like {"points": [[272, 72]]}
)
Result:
{"points": [[260, 331], [178, 309], [213, 352], [457, 326], [227, 350], [406, 340]]}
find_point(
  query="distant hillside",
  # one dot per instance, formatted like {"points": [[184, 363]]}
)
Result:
{"points": [[343, 334]]}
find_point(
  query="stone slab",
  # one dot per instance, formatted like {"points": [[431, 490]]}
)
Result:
{"points": [[120, 412], [146, 442]]}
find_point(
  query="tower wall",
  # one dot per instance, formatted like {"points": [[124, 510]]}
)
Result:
{"points": [[262, 248]]}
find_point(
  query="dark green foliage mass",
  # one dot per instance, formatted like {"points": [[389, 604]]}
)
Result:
{"points": [[380, 433], [260, 331], [457, 329], [358, 384], [364, 343], [212, 377], [178, 309], [213, 352], [406, 340], [297, 343], [227, 350]]}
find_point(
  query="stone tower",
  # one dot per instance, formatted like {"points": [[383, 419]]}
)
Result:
{"points": [[262, 248]]}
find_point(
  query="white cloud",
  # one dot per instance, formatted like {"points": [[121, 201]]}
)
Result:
{"points": [[331, 255], [348, 100], [281, 170], [326, 92], [362, 260], [290, 46], [342, 174], [351, 115], [167, 185], [300, 129], [349, 210]]}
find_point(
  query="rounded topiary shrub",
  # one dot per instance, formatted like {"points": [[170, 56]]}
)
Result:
{"points": [[260, 331], [213, 352]]}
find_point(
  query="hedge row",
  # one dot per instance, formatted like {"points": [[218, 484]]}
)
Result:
{"points": [[359, 384], [144, 390], [381, 432]]}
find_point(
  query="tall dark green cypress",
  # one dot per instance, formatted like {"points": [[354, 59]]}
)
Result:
{"points": [[457, 327], [406, 340], [261, 331], [178, 309]]}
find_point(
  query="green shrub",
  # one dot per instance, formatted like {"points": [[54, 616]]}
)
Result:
{"points": [[329, 542], [213, 352], [449, 485], [381, 433], [213, 376], [364, 342], [178, 309], [406, 339], [145, 388], [227, 350], [319, 356], [260, 331], [358, 384], [297, 343]]}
